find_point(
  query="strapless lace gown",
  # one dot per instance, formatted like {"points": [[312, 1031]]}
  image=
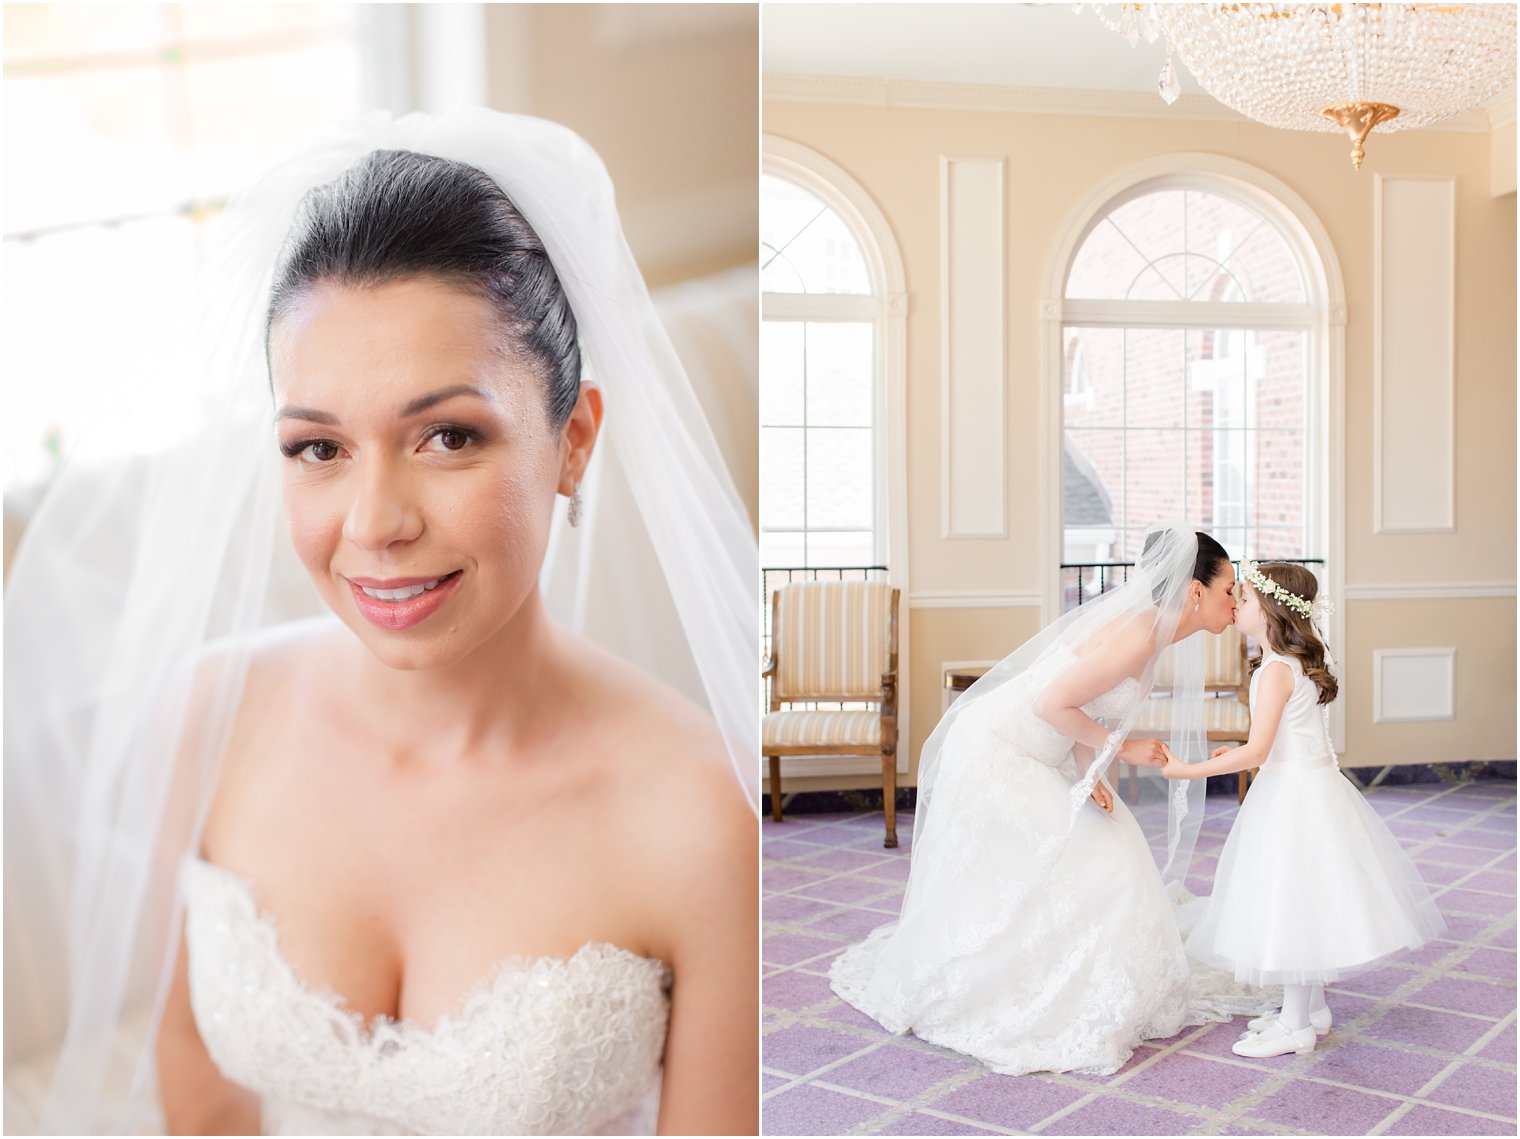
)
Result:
{"points": [[1065, 968], [543, 1046]]}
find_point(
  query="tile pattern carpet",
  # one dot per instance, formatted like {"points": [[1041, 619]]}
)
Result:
{"points": [[1424, 1045]]}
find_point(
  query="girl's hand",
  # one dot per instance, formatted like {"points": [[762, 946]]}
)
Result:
{"points": [[1102, 796], [1143, 753], [1176, 768], [1218, 751]]}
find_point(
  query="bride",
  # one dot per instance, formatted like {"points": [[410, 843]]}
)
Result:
{"points": [[440, 861], [1036, 933]]}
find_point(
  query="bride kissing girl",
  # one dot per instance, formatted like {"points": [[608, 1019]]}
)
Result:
{"points": [[1036, 933], [441, 861]]}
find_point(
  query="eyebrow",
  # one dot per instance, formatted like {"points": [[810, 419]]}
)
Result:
{"points": [[420, 404]]}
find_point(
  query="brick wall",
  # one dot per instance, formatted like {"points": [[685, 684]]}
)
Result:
{"points": [[1174, 421]]}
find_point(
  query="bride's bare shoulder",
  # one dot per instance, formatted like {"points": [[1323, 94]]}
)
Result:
{"points": [[684, 826], [667, 748]]}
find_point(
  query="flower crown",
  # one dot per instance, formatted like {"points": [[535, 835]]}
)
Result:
{"points": [[1251, 572]]}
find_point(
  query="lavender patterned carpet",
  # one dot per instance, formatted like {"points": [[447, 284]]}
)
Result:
{"points": [[1422, 1046]]}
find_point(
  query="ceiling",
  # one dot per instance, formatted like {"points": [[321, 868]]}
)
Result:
{"points": [[1016, 45], [1043, 46]]}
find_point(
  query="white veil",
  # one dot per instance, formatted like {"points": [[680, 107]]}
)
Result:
{"points": [[1166, 702], [130, 576]]}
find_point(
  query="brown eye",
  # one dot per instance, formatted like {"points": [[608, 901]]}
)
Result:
{"points": [[449, 439], [322, 451]]}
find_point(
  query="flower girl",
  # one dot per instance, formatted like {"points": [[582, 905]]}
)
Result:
{"points": [[1311, 886]]}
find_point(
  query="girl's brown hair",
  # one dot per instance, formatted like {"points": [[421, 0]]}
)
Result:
{"points": [[1291, 634]]}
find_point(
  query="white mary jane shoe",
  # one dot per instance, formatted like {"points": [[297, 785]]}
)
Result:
{"points": [[1319, 1021], [1275, 1040]]}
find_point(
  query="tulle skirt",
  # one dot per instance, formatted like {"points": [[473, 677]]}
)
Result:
{"points": [[1311, 885]]}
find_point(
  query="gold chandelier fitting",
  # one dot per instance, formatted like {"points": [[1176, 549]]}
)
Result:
{"points": [[1358, 119]]}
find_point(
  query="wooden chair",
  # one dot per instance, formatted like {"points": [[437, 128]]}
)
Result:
{"points": [[834, 642], [1227, 703]]}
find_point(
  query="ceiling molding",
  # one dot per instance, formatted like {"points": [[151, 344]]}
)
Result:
{"points": [[932, 95]]}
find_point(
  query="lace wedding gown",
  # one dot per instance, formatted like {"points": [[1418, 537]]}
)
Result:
{"points": [[544, 1046], [1021, 945]]}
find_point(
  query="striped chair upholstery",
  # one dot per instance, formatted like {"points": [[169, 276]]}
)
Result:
{"points": [[823, 729], [1227, 677], [834, 641], [1224, 718], [1224, 662]]}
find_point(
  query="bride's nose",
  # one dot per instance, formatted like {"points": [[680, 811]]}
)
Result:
{"points": [[383, 510]]}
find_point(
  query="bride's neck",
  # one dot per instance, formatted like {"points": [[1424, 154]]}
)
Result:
{"points": [[483, 702], [1187, 625]]}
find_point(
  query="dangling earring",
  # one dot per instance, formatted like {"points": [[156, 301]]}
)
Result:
{"points": [[1195, 604], [575, 505]]}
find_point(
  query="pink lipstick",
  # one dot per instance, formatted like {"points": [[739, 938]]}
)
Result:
{"points": [[411, 608]]}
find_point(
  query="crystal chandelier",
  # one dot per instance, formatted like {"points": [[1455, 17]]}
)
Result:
{"points": [[1332, 67]]}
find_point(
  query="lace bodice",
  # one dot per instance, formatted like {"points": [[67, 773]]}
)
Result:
{"points": [[1009, 712], [542, 1046], [1303, 736]]}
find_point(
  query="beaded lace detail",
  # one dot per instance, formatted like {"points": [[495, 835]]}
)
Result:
{"points": [[542, 1045]]}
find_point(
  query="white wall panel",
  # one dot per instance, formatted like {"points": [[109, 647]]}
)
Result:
{"points": [[973, 355], [1414, 322], [1414, 684]]}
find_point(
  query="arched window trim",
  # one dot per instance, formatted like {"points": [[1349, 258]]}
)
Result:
{"points": [[1323, 318], [887, 308]]}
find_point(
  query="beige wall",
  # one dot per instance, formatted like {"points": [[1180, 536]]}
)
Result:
{"points": [[668, 94], [1053, 163]]}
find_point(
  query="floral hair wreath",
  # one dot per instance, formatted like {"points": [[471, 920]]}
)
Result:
{"points": [[1317, 610]]}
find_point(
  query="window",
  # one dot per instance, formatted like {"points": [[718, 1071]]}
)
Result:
{"points": [[818, 387], [126, 127], [1187, 336]]}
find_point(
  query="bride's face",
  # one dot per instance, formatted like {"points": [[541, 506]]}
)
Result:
{"points": [[420, 466], [1216, 601]]}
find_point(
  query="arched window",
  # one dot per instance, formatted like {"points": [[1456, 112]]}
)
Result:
{"points": [[1191, 312], [833, 394], [819, 405]]}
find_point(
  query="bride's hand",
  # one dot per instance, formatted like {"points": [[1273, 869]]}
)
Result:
{"points": [[1102, 796], [1143, 753]]}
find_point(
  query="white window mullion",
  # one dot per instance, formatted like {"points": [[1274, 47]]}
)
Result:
{"points": [[819, 307], [1188, 314]]}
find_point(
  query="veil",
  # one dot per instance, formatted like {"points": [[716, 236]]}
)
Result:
{"points": [[1166, 701], [141, 589]]}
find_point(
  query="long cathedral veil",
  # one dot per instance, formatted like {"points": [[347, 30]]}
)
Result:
{"points": [[141, 589]]}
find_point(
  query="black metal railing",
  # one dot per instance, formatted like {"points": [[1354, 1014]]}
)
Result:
{"points": [[1082, 580]]}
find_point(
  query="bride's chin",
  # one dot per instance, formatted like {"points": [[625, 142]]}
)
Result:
{"points": [[408, 651]]}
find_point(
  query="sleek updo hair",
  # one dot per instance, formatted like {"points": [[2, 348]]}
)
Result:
{"points": [[1207, 563], [397, 214], [1210, 560]]}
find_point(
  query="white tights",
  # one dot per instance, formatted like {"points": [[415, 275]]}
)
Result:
{"points": [[1299, 1001]]}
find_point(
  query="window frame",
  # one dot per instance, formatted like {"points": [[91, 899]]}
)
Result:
{"points": [[886, 307], [1323, 318]]}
